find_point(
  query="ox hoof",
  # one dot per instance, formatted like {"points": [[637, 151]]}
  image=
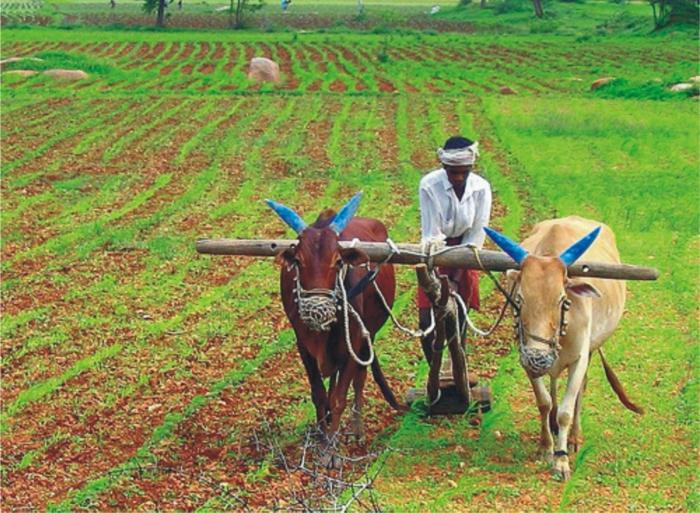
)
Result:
{"points": [[561, 469]]}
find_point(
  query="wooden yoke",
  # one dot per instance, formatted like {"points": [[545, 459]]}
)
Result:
{"points": [[446, 314]]}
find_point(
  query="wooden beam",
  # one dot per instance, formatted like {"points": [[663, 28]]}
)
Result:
{"points": [[411, 254]]}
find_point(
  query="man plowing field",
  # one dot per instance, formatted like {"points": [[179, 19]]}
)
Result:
{"points": [[455, 206]]}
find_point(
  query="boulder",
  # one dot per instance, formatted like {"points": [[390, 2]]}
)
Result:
{"points": [[4, 62], [263, 70], [601, 82], [679, 88], [21, 72], [67, 74], [507, 90]]}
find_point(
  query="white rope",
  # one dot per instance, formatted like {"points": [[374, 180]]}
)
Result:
{"points": [[346, 321], [437, 399], [399, 326], [461, 305]]}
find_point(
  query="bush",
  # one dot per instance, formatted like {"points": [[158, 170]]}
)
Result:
{"points": [[650, 90], [463, 3], [507, 6]]}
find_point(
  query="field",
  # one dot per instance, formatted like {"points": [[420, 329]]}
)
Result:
{"points": [[138, 375]]}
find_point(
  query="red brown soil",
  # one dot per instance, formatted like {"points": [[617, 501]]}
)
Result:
{"points": [[265, 50], [219, 51], [126, 50], [207, 68], [203, 51], [111, 49], [314, 86], [284, 59], [184, 54], [232, 57], [173, 48], [337, 86], [313, 55]]}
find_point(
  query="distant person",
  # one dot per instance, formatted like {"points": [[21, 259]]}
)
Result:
{"points": [[455, 205], [285, 4]]}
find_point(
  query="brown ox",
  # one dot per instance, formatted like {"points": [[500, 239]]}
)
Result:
{"points": [[562, 321], [313, 292]]}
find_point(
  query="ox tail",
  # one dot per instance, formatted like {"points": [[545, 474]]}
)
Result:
{"points": [[384, 386], [617, 386]]}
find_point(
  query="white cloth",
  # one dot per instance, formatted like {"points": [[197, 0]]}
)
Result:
{"points": [[459, 156], [443, 214]]}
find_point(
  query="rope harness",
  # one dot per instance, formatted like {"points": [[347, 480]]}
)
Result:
{"points": [[316, 307], [536, 361]]}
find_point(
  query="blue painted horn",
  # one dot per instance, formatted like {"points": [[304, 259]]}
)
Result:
{"points": [[287, 215], [513, 249], [342, 218], [517, 253], [578, 248]]}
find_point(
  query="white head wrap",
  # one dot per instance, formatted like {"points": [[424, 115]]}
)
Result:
{"points": [[459, 156]]}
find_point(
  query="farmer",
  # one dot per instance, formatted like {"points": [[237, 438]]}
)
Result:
{"points": [[455, 205]]}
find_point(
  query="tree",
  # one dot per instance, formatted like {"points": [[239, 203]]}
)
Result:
{"points": [[669, 12], [239, 8], [539, 11], [156, 5]]}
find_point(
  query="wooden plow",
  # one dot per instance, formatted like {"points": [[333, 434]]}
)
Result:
{"points": [[449, 389]]}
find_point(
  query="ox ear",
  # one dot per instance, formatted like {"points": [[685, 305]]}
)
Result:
{"points": [[342, 218], [512, 276], [288, 257], [287, 215], [582, 289], [353, 256], [513, 249], [578, 248]]}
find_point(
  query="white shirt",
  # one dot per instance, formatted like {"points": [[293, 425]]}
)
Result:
{"points": [[442, 213]]}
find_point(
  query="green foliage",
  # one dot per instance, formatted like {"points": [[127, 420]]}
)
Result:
{"points": [[675, 12], [62, 60], [511, 6], [654, 90]]}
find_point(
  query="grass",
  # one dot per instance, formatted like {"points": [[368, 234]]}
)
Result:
{"points": [[110, 314]]}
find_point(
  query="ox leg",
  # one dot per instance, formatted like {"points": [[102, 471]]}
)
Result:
{"points": [[544, 404], [338, 401], [358, 384], [565, 415], [553, 426], [575, 435], [318, 391]]}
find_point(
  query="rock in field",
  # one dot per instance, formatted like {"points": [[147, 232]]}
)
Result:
{"points": [[68, 74], [679, 88], [601, 82], [263, 70], [21, 72], [507, 90], [10, 60]]}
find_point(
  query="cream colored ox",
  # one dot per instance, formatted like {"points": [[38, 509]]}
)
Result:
{"points": [[562, 320]]}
